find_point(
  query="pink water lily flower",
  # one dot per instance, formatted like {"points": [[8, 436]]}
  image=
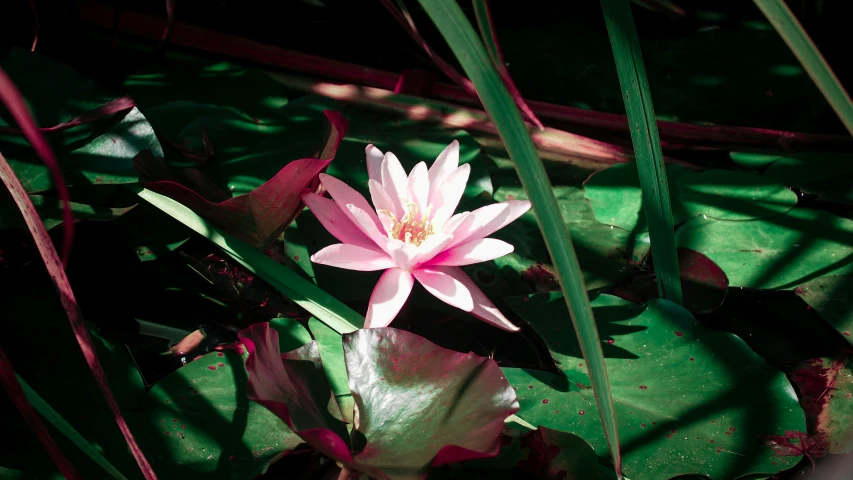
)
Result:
{"points": [[413, 234]]}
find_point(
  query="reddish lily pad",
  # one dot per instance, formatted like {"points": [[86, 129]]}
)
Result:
{"points": [[826, 394], [556, 455], [416, 405], [420, 405], [293, 386], [704, 283], [260, 216]]}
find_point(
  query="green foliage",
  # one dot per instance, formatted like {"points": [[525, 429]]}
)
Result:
{"points": [[686, 397], [460, 35], [647, 150]]}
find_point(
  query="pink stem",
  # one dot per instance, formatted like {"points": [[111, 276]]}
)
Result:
{"points": [[17, 106], [170, 22], [721, 137], [69, 303], [500, 65], [37, 27], [405, 20], [114, 106], [16, 393]]}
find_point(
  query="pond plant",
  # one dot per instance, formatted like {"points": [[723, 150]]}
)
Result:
{"points": [[235, 239]]}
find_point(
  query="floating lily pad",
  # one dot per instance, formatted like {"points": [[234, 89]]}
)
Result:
{"points": [[826, 393], [198, 422], [830, 297], [556, 455], [686, 397], [420, 405], [728, 195], [604, 252], [416, 405], [809, 167], [779, 252], [617, 200], [703, 282], [98, 152]]}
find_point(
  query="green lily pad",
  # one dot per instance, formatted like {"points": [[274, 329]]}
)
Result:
{"points": [[198, 423], [687, 399], [604, 251], [753, 160], [728, 195], [99, 152], [779, 252], [50, 211], [809, 167], [830, 297], [616, 197], [246, 89]]}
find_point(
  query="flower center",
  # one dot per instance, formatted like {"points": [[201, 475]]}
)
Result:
{"points": [[412, 228]]}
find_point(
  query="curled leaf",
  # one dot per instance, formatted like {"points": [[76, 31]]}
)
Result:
{"points": [[258, 217]]}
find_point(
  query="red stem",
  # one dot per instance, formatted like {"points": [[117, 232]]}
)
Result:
{"points": [[69, 304], [16, 393], [113, 106], [37, 27], [500, 64], [724, 137], [17, 106]]}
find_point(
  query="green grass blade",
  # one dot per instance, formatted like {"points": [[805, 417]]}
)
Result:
{"points": [[481, 14], [647, 150], [798, 40], [52, 416], [469, 50], [312, 298]]}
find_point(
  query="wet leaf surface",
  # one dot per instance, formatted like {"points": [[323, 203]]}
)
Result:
{"points": [[688, 399], [830, 297], [98, 152], [778, 252], [704, 283], [419, 405]]}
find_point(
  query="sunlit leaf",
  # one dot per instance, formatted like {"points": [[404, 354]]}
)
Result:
{"points": [[778, 252], [688, 399]]}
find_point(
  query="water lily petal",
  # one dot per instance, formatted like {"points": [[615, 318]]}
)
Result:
{"points": [[418, 187], [394, 180], [431, 247], [445, 287], [404, 254], [383, 203], [446, 199], [444, 165], [476, 251], [454, 221], [484, 221], [366, 220], [453, 286], [351, 257], [388, 297], [374, 162], [344, 195], [336, 221]]}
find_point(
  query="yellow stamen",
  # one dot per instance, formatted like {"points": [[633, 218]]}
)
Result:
{"points": [[410, 228]]}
